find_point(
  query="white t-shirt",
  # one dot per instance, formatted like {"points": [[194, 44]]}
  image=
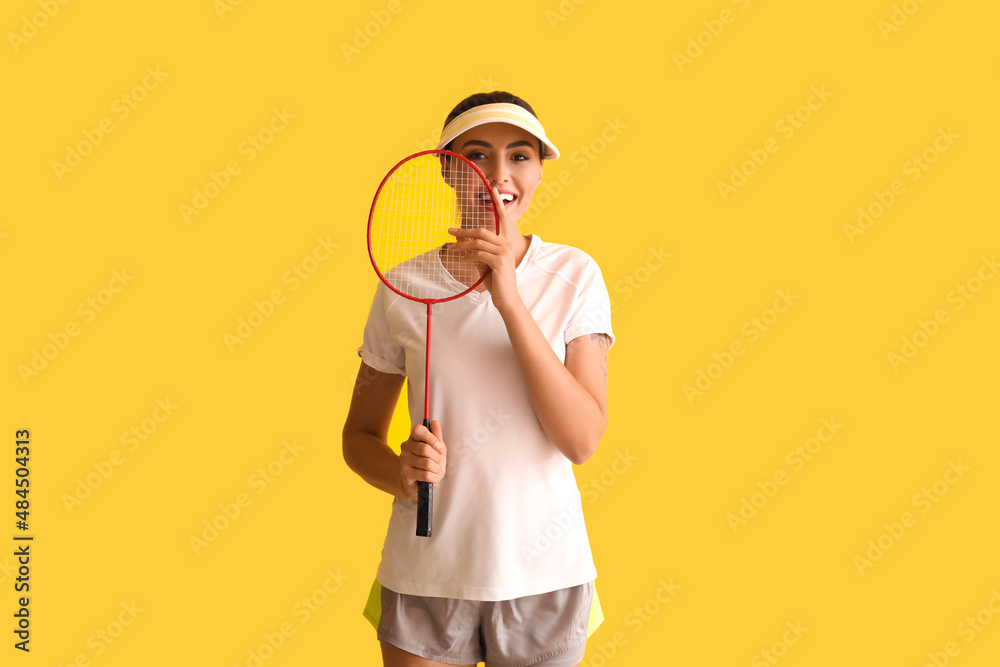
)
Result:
{"points": [[507, 517]]}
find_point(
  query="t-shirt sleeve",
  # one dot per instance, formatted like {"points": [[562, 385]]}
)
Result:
{"points": [[592, 309], [378, 348]]}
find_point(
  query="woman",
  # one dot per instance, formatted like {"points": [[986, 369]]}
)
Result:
{"points": [[520, 390]]}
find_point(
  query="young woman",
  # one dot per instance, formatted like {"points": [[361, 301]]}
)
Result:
{"points": [[520, 392]]}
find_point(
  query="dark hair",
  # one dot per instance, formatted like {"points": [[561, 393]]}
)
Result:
{"points": [[496, 97]]}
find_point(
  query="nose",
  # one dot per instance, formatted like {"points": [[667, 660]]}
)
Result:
{"points": [[497, 172]]}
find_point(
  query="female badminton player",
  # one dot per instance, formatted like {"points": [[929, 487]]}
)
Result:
{"points": [[518, 381]]}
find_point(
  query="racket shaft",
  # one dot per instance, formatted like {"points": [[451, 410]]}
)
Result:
{"points": [[425, 500]]}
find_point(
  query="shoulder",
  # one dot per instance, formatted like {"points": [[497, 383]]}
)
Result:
{"points": [[569, 263], [418, 268], [419, 277]]}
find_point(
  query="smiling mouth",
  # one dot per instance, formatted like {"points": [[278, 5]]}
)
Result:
{"points": [[507, 198]]}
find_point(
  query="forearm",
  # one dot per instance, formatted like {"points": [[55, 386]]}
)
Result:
{"points": [[374, 461], [568, 413]]}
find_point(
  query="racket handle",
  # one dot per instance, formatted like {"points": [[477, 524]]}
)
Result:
{"points": [[425, 501]]}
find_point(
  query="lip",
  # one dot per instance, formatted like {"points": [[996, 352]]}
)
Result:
{"points": [[506, 205]]}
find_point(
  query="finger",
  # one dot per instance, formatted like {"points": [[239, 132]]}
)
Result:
{"points": [[421, 434], [462, 233], [429, 452], [426, 466], [431, 469], [481, 258], [427, 473], [495, 191], [500, 209], [418, 450], [418, 461], [470, 245], [429, 477], [436, 430], [497, 201]]}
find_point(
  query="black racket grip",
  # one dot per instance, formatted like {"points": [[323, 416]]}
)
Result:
{"points": [[425, 501]]}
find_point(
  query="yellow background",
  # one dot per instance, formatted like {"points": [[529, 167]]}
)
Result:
{"points": [[650, 186]]}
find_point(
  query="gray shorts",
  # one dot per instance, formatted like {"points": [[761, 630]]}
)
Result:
{"points": [[545, 629]]}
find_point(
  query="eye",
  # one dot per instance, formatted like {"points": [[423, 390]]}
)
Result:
{"points": [[521, 157], [476, 155]]}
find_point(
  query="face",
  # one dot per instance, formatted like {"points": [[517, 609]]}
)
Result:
{"points": [[508, 157]]}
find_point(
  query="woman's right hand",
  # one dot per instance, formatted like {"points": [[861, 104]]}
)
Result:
{"points": [[422, 458]]}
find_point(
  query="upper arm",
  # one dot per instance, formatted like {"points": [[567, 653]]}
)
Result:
{"points": [[587, 361], [373, 402]]}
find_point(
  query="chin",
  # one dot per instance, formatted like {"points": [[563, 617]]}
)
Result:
{"points": [[513, 217]]}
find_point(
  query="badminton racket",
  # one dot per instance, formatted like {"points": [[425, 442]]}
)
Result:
{"points": [[420, 198]]}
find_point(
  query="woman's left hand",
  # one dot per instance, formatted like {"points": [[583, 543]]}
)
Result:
{"points": [[483, 244]]}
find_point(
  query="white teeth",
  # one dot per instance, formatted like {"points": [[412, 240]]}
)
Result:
{"points": [[503, 197]]}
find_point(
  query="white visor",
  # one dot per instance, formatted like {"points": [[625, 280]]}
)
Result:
{"points": [[498, 113]]}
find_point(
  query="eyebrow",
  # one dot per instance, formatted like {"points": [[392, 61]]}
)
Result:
{"points": [[476, 142]]}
